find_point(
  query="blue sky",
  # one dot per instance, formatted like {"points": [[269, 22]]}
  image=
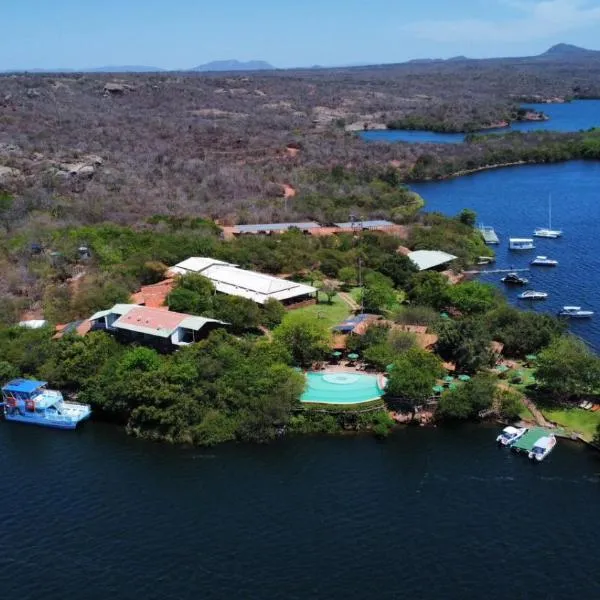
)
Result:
{"points": [[184, 33]]}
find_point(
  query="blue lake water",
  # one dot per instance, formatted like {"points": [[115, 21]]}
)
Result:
{"points": [[573, 116], [514, 201], [428, 514]]}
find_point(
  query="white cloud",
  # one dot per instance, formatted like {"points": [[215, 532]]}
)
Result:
{"points": [[535, 20]]}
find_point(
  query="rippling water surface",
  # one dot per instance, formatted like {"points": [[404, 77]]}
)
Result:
{"points": [[427, 514], [514, 201], [573, 116]]}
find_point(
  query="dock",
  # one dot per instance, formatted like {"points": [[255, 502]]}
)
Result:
{"points": [[492, 271], [489, 235], [525, 444]]}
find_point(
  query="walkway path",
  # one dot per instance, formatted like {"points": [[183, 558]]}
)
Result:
{"points": [[537, 415], [349, 300]]}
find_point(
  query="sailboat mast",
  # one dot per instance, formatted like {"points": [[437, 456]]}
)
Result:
{"points": [[549, 211]]}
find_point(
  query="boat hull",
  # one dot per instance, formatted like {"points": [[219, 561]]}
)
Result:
{"points": [[53, 424]]}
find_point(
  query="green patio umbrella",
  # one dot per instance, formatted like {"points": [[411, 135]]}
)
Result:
{"points": [[389, 368], [336, 354], [448, 379], [438, 389], [444, 315], [353, 356], [531, 357], [452, 386], [501, 368], [464, 378]]}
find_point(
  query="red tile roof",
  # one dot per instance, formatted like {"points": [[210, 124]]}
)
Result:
{"points": [[152, 318], [155, 295]]}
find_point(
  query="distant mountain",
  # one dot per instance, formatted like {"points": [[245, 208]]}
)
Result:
{"points": [[234, 65], [568, 51]]}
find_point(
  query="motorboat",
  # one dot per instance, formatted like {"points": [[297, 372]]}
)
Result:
{"points": [[575, 312], [514, 279], [542, 448], [510, 435], [548, 232], [544, 261], [532, 295], [520, 244]]}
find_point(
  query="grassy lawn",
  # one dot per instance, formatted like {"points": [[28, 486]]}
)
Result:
{"points": [[331, 314], [579, 420]]}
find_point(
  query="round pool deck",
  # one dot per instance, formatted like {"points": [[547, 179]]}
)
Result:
{"points": [[341, 388]]}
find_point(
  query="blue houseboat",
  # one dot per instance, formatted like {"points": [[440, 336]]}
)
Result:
{"points": [[28, 401]]}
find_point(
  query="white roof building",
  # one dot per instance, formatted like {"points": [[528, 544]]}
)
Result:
{"points": [[428, 259], [230, 279]]}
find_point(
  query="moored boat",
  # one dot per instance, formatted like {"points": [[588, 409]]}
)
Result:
{"points": [[544, 232], [510, 435], [29, 401], [514, 279], [488, 234], [520, 244], [544, 261], [542, 448], [548, 232], [575, 312], [532, 295]]}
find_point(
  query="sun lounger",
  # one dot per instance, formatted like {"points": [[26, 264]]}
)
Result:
{"points": [[582, 404], [588, 405]]}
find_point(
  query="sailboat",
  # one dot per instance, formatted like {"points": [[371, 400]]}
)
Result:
{"points": [[548, 232]]}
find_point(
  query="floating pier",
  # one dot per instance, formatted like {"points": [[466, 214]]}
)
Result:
{"points": [[489, 235], [492, 271], [525, 444]]}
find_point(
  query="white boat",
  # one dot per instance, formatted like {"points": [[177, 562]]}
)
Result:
{"points": [[542, 448], [575, 312], [510, 435], [544, 261], [514, 279], [520, 244], [533, 295], [548, 232]]}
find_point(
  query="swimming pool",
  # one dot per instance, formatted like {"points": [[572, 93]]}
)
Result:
{"points": [[341, 388]]}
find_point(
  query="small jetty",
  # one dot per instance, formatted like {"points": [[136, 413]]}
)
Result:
{"points": [[489, 235], [526, 443]]}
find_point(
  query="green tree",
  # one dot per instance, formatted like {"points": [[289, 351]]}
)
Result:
{"points": [[474, 297], [241, 313], [429, 288], [399, 269], [468, 399], [413, 375], [347, 275], [330, 290], [272, 313], [567, 367], [465, 342], [510, 403], [192, 294], [467, 217], [378, 293], [523, 332], [306, 338]]}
